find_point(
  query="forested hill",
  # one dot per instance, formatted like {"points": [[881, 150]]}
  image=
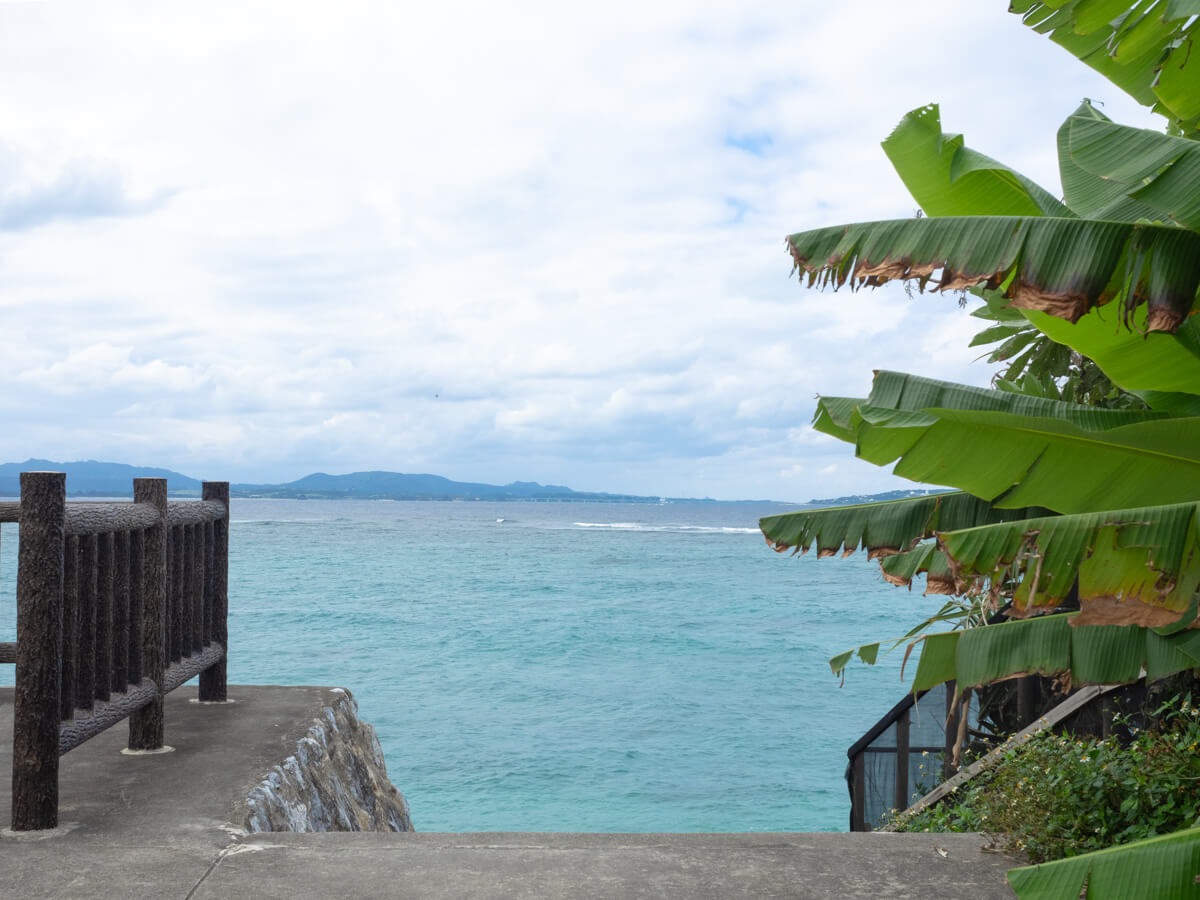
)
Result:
{"points": [[105, 479], [398, 486], [89, 478]]}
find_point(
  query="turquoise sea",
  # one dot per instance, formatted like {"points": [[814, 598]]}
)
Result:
{"points": [[568, 666]]}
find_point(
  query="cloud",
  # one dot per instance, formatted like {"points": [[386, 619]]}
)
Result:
{"points": [[82, 189], [536, 242]]}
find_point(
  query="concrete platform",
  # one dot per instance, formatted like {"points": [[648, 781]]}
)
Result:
{"points": [[165, 826]]}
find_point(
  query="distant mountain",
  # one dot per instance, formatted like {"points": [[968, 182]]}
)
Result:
{"points": [[853, 499], [89, 478], [397, 486]]}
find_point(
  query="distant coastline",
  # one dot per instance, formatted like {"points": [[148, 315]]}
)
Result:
{"points": [[90, 478]]}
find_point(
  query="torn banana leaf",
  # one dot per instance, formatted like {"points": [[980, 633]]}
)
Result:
{"points": [[1133, 566], [955, 611], [868, 653], [1162, 867], [1053, 646], [1060, 266], [1144, 48], [949, 179], [929, 560], [883, 528]]}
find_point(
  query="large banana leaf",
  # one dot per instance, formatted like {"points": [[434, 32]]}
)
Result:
{"points": [[882, 529], [1087, 192], [1054, 646], [1144, 48], [1131, 566], [1015, 451], [949, 179], [1061, 266], [1163, 867], [1160, 172]]}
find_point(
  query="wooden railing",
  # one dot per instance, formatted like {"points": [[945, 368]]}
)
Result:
{"points": [[117, 605]]}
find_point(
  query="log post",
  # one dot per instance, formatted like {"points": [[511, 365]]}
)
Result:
{"points": [[146, 725], [213, 679], [39, 650]]}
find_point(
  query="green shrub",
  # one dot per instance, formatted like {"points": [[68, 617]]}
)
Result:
{"points": [[1057, 796]]}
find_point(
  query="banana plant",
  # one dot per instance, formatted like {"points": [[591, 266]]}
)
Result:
{"points": [[1052, 497]]}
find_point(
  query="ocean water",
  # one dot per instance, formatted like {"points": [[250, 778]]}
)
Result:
{"points": [[568, 666]]}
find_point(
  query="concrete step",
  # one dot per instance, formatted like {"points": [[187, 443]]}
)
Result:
{"points": [[168, 826]]}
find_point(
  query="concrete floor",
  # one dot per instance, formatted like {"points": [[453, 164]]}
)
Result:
{"points": [[167, 826]]}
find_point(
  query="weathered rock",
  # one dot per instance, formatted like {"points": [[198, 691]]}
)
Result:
{"points": [[335, 781]]}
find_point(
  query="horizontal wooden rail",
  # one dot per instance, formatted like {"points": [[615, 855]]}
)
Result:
{"points": [[104, 714], [98, 518], [8, 651], [10, 510], [191, 666], [195, 512]]}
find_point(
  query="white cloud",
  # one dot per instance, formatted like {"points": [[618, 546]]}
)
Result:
{"points": [[540, 241]]}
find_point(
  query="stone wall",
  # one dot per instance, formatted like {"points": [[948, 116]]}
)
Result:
{"points": [[336, 780]]}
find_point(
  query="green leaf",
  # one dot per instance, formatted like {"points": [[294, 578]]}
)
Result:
{"points": [[1162, 867], [1089, 193], [999, 333], [1147, 55], [1017, 451], [1036, 646], [1159, 173], [881, 528], [948, 179], [1055, 645], [938, 660], [1060, 266], [1135, 361]]}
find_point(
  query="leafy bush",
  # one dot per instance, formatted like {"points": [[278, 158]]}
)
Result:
{"points": [[1057, 796]]}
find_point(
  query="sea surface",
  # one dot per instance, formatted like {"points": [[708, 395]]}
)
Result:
{"points": [[567, 666]]}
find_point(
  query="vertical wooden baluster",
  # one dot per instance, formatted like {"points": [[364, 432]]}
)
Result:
{"points": [[70, 627], [197, 617], [137, 603], [120, 633], [85, 659], [178, 571], [209, 541], [186, 579], [105, 563]]}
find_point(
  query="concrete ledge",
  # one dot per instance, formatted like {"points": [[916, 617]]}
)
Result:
{"points": [[612, 866], [163, 826]]}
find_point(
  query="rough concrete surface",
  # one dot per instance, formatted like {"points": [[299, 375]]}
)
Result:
{"points": [[170, 826]]}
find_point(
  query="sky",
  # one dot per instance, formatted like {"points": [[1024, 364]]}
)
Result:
{"points": [[495, 242]]}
